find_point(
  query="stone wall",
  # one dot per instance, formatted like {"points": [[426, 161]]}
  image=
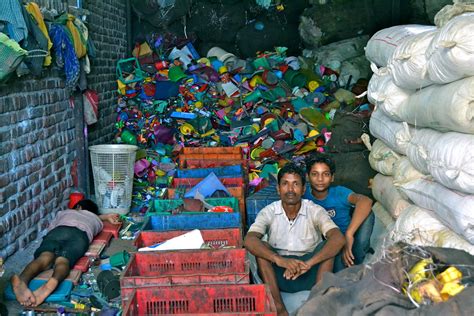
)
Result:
{"points": [[40, 131]]}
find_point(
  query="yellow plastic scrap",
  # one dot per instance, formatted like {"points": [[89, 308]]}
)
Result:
{"points": [[430, 290], [121, 87], [450, 279], [449, 275], [418, 271], [451, 289]]}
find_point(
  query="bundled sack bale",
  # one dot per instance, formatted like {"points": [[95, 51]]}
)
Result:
{"points": [[447, 107], [353, 171], [451, 52], [453, 208], [382, 44], [450, 11], [395, 135], [407, 65], [404, 172], [383, 215], [387, 194], [384, 93], [369, 290], [448, 157], [347, 129], [419, 226], [382, 158]]}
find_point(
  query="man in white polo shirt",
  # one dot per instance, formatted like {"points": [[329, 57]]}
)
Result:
{"points": [[295, 256]]}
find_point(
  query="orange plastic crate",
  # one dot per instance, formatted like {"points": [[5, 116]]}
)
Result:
{"points": [[212, 150], [201, 300], [185, 267], [211, 163], [217, 238]]}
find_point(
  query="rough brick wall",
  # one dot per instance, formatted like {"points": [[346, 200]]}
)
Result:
{"points": [[107, 23], [38, 131]]}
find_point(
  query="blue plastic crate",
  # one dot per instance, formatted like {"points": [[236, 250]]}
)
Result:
{"points": [[61, 294], [259, 200], [221, 172], [194, 221]]}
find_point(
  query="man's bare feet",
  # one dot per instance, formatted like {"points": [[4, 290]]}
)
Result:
{"points": [[44, 291], [23, 294]]}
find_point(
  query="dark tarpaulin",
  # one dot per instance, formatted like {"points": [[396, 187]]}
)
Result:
{"points": [[370, 290]]}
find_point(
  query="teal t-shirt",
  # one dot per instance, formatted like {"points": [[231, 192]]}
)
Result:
{"points": [[336, 204]]}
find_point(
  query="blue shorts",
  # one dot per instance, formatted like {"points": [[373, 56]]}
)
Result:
{"points": [[305, 281]]}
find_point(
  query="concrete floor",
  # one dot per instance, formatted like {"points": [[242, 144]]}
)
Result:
{"points": [[17, 262]]}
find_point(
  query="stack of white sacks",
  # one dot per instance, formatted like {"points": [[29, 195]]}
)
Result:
{"points": [[423, 89]]}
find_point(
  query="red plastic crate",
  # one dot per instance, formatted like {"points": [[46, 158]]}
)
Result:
{"points": [[201, 300], [212, 150], [82, 264], [217, 238], [211, 163], [191, 182], [112, 228], [104, 236], [185, 267]]}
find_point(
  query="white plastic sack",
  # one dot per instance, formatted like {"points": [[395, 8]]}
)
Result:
{"points": [[382, 44], [408, 62], [384, 93], [387, 194], [421, 227], [395, 135], [382, 214], [382, 158], [403, 172], [453, 208], [447, 107], [380, 240], [448, 157], [451, 52]]}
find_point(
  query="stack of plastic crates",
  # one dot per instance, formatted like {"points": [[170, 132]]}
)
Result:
{"points": [[227, 163]]}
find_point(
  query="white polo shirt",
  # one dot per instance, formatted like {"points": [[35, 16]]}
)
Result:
{"points": [[297, 237]]}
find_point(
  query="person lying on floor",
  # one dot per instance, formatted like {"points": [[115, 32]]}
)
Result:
{"points": [[338, 202], [295, 256], [68, 239]]}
